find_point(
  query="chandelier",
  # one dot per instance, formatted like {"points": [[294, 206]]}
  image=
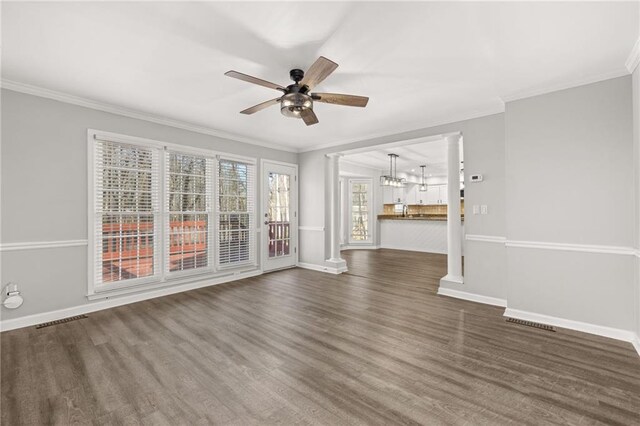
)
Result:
{"points": [[391, 179], [423, 183]]}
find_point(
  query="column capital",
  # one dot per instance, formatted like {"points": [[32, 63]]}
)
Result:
{"points": [[453, 137], [334, 155]]}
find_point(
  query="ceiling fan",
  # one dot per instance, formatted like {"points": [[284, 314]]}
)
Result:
{"points": [[297, 99]]}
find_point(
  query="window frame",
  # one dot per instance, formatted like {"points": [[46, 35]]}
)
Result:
{"points": [[161, 226], [253, 215], [370, 205]]}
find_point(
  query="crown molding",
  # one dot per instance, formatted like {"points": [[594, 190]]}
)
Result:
{"points": [[542, 90], [426, 127], [634, 57], [140, 115]]}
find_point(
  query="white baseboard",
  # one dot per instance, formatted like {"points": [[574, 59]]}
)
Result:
{"points": [[30, 320], [487, 300], [392, 247], [356, 247], [613, 333], [636, 343], [322, 268]]}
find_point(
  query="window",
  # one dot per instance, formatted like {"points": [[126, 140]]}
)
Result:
{"points": [[235, 213], [188, 207], [279, 212], [126, 209], [154, 218], [360, 210]]}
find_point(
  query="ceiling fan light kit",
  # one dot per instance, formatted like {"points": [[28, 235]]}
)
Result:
{"points": [[297, 101]]}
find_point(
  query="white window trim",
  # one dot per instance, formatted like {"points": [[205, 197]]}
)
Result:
{"points": [[252, 220], [164, 279], [370, 199], [165, 216]]}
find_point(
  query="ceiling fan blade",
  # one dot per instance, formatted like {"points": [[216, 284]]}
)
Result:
{"points": [[340, 99], [320, 70], [309, 117], [261, 106], [254, 80]]}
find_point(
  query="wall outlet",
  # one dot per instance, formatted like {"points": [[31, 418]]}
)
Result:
{"points": [[483, 209], [476, 209]]}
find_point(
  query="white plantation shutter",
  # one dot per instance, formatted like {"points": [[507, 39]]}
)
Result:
{"points": [[126, 207], [161, 211], [235, 208], [188, 212]]}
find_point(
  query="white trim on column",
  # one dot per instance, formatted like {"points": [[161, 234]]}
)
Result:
{"points": [[613, 333], [322, 268], [485, 238], [634, 57], [140, 115], [587, 248], [478, 298], [359, 247], [36, 245], [636, 343]]}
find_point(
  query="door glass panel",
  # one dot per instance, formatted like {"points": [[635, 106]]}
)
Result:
{"points": [[278, 214], [359, 211]]}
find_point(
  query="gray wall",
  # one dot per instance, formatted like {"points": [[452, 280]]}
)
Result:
{"points": [[484, 153], [569, 170], [636, 156], [44, 191]]}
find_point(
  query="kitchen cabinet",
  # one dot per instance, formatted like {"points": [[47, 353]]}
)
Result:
{"points": [[411, 194], [444, 194], [436, 194]]}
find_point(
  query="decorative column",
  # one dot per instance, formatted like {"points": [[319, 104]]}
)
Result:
{"points": [[335, 263], [454, 223]]}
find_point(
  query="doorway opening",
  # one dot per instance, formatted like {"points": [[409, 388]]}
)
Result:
{"points": [[387, 200]]}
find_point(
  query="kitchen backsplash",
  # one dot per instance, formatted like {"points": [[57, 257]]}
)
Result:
{"points": [[427, 209]]}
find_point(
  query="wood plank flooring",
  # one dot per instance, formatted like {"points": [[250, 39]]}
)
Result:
{"points": [[373, 346]]}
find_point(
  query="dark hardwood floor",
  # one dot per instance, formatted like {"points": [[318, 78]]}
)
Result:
{"points": [[373, 346]]}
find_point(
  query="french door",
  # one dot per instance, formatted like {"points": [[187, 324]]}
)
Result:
{"points": [[279, 215], [360, 211]]}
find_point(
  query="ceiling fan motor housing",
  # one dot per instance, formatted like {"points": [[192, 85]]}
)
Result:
{"points": [[292, 104]]}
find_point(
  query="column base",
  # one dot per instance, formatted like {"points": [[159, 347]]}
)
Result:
{"points": [[451, 279], [336, 266]]}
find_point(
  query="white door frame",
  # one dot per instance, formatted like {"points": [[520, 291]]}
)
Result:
{"points": [[293, 222], [349, 204]]}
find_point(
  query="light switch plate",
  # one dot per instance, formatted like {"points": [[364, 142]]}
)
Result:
{"points": [[483, 209], [476, 209]]}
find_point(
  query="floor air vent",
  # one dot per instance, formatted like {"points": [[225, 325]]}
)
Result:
{"points": [[532, 324], [61, 321]]}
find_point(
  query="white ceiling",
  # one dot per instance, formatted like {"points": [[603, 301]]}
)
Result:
{"points": [[420, 63], [433, 154]]}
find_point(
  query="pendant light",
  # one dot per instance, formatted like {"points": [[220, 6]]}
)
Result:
{"points": [[391, 179], [423, 183]]}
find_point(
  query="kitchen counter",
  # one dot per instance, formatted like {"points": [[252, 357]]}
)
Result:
{"points": [[418, 233], [430, 217]]}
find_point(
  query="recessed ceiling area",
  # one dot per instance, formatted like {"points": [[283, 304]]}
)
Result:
{"points": [[433, 154], [419, 63]]}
